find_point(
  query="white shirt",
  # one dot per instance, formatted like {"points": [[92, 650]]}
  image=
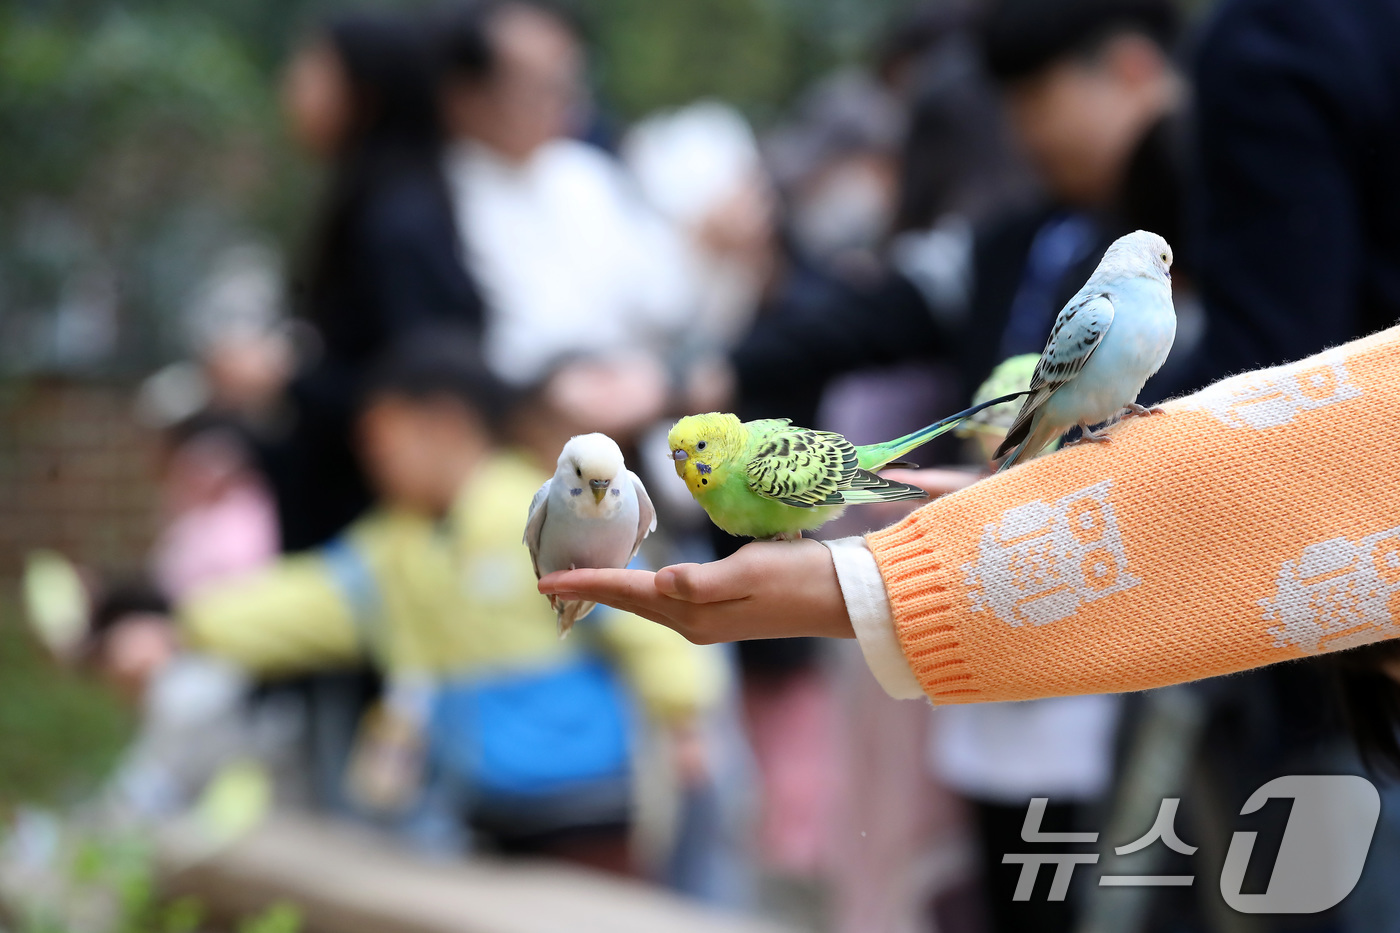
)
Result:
{"points": [[568, 257], [1060, 747]]}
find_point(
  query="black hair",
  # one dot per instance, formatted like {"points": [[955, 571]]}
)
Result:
{"points": [[209, 423], [1371, 703], [956, 154], [117, 601], [1021, 37], [907, 37], [443, 362], [394, 133], [463, 47], [463, 43]]}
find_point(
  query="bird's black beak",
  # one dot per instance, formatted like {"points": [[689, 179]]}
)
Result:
{"points": [[678, 455], [600, 488]]}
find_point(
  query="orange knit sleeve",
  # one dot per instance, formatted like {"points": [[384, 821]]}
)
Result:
{"points": [[1254, 522]]}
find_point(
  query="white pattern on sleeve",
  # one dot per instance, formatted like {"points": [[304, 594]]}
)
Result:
{"points": [[868, 605]]}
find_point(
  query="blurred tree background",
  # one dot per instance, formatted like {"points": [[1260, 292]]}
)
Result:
{"points": [[141, 140]]}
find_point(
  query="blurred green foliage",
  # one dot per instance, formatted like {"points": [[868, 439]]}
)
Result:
{"points": [[105, 880], [60, 734], [135, 144], [756, 54], [139, 139], [654, 55]]}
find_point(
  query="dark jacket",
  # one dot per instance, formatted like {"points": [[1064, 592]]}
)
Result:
{"points": [[1297, 194], [399, 272]]}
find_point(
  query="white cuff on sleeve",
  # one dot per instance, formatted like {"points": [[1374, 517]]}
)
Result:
{"points": [[868, 605]]}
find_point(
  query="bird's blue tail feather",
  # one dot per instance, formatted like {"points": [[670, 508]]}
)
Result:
{"points": [[875, 456]]}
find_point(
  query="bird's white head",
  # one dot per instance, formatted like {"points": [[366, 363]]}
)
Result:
{"points": [[591, 463], [1141, 251]]}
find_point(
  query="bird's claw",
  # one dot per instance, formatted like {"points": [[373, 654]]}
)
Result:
{"points": [[1134, 409], [1087, 435]]}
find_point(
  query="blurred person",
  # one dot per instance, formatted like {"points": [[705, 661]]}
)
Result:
{"points": [[488, 719], [1295, 130], [574, 264], [242, 344], [1297, 218], [1096, 103], [196, 727], [384, 261], [201, 721], [218, 512], [700, 167], [219, 517], [836, 164]]}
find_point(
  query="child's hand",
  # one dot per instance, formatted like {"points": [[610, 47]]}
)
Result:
{"points": [[767, 589]]}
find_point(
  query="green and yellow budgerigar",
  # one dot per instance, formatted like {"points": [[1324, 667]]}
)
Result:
{"points": [[771, 479]]}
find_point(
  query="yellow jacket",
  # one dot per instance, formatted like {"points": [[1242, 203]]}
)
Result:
{"points": [[452, 598]]}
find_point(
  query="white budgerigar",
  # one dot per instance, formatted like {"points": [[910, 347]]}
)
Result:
{"points": [[1107, 341], [593, 512]]}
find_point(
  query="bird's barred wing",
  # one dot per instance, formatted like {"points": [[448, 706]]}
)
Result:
{"points": [[646, 513], [806, 468], [1079, 329], [534, 524]]}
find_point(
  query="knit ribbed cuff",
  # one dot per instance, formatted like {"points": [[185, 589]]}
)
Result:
{"points": [[863, 589], [920, 588]]}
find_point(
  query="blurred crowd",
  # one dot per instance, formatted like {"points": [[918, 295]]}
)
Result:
{"points": [[340, 591]]}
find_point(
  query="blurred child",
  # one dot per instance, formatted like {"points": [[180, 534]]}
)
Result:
{"points": [[220, 519], [196, 726], [487, 716]]}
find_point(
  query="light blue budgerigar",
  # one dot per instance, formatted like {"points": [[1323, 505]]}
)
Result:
{"points": [[593, 512], [1107, 341]]}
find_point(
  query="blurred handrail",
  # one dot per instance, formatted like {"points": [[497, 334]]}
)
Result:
{"points": [[345, 880]]}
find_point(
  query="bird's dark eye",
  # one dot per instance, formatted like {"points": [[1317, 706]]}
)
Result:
{"points": [[700, 446], [1164, 257], [578, 471]]}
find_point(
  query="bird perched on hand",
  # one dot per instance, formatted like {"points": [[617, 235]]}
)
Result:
{"points": [[1107, 341], [593, 512], [770, 480]]}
